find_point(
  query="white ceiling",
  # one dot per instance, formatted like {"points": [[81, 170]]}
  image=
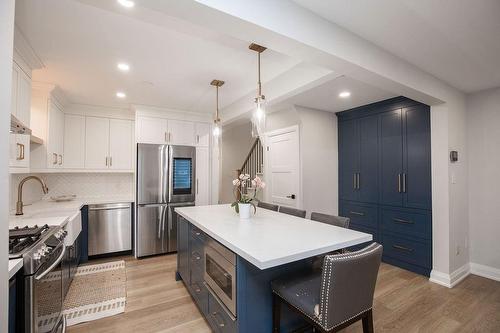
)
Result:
{"points": [[171, 64], [457, 41], [326, 96]]}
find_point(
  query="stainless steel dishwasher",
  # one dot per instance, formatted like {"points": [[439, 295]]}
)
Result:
{"points": [[110, 228]]}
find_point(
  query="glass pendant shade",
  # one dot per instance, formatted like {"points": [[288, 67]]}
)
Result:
{"points": [[259, 117], [217, 130]]}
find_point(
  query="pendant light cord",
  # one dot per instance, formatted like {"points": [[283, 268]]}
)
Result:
{"points": [[258, 66]]}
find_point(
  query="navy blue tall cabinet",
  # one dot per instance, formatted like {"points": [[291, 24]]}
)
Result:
{"points": [[385, 178]]}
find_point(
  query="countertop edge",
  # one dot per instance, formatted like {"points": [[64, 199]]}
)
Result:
{"points": [[280, 261]]}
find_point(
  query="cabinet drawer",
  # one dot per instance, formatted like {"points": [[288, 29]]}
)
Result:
{"points": [[407, 250], [219, 318], [360, 214], [196, 234], [200, 294], [406, 222]]}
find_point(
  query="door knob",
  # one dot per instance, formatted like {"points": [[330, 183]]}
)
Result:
{"points": [[292, 196]]}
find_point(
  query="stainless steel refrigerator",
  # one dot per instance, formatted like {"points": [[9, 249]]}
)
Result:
{"points": [[165, 180]]}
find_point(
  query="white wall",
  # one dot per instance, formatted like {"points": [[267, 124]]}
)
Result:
{"points": [[483, 139], [84, 185], [319, 155], [236, 144], [6, 36]]}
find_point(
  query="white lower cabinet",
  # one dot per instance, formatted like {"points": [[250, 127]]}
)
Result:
{"points": [[202, 176], [74, 141]]}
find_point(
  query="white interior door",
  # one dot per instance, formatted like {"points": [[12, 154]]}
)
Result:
{"points": [[283, 167], [120, 144], [96, 143]]}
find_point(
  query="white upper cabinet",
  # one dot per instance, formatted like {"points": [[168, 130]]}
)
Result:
{"points": [[21, 95], [74, 141], [181, 132], [24, 98], [202, 134], [55, 139], [19, 157], [109, 143], [152, 130], [202, 176], [96, 143], [121, 141]]}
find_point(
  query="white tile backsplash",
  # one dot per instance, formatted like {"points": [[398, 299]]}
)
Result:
{"points": [[81, 184]]}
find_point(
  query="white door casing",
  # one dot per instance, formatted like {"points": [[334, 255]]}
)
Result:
{"points": [[282, 167]]}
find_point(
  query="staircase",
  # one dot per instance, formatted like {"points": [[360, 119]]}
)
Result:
{"points": [[253, 164]]}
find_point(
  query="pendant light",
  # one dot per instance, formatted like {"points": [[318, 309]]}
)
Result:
{"points": [[259, 114], [217, 126]]}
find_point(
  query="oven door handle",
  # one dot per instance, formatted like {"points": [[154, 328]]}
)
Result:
{"points": [[64, 324], [39, 277]]}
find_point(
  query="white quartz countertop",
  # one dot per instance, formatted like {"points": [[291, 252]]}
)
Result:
{"points": [[14, 266], [270, 238], [58, 213]]}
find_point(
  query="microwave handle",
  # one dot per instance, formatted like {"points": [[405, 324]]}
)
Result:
{"points": [[47, 271]]}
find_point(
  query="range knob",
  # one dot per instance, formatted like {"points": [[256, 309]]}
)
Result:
{"points": [[37, 256]]}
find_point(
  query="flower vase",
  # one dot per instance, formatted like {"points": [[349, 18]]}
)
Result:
{"points": [[244, 209]]}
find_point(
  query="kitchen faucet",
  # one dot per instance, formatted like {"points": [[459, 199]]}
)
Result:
{"points": [[19, 204]]}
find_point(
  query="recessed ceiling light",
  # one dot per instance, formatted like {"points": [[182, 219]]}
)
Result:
{"points": [[124, 67], [121, 94], [344, 94], [126, 3]]}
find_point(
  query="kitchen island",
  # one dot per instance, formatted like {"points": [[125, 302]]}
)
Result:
{"points": [[227, 264]]}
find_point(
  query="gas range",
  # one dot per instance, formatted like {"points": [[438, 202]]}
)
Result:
{"points": [[34, 245]]}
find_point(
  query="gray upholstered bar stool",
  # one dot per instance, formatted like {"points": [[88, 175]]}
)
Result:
{"points": [[335, 297], [338, 221], [266, 205], [292, 211]]}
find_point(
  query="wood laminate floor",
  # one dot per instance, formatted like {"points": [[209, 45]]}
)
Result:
{"points": [[404, 302]]}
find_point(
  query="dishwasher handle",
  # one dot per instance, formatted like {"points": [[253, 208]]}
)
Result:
{"points": [[109, 207]]}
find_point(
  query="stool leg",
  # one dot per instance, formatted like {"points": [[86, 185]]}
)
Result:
{"points": [[276, 313], [368, 322]]}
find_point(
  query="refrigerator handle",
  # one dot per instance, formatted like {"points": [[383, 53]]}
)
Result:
{"points": [[170, 172], [162, 210]]}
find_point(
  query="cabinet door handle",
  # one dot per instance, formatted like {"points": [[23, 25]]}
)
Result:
{"points": [[357, 180], [197, 139], [195, 255], [404, 182], [21, 152], [402, 221], [197, 186], [106, 161], [402, 248], [399, 182], [197, 288], [166, 137], [54, 160], [169, 136], [215, 315], [60, 160], [111, 161], [357, 213], [354, 182]]}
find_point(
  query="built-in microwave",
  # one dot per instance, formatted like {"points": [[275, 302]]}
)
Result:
{"points": [[220, 273]]}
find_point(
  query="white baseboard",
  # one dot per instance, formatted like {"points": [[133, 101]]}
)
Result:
{"points": [[450, 280], [485, 271]]}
